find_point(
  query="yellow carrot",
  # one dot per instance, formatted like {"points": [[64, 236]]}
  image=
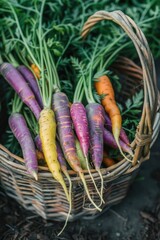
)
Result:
{"points": [[47, 128]]}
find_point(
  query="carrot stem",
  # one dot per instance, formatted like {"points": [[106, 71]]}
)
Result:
{"points": [[22, 35], [16, 104], [88, 91], [79, 91]]}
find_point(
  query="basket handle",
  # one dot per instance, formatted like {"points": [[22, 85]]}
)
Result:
{"points": [[144, 130], [156, 125]]}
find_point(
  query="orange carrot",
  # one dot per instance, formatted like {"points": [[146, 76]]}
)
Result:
{"points": [[36, 70], [107, 160], [40, 155], [104, 88]]}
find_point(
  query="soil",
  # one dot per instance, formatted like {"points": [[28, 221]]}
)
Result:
{"points": [[136, 217]]}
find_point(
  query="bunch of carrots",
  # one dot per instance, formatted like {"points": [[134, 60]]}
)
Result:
{"points": [[65, 132], [49, 127]]}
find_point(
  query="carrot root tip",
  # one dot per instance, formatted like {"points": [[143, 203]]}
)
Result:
{"points": [[87, 191], [102, 183], [35, 175], [100, 195], [70, 202], [120, 149]]}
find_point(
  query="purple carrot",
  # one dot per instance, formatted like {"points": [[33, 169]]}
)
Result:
{"points": [[20, 130], [108, 125], [110, 141], [32, 82], [95, 114], [65, 131], [16, 80], [38, 143], [80, 122]]}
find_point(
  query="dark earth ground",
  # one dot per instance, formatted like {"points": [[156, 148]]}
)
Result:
{"points": [[137, 217]]}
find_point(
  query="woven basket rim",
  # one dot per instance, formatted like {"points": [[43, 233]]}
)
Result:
{"points": [[45, 168], [106, 172]]}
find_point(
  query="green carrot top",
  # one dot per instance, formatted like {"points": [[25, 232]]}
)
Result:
{"points": [[89, 69], [36, 48], [16, 104]]}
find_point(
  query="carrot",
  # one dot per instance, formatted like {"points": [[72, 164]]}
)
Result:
{"points": [[108, 125], [108, 162], [80, 154], [104, 87], [110, 141], [40, 155], [36, 70], [18, 83], [79, 118], [19, 128], [95, 114], [32, 82], [66, 136], [38, 142], [33, 126], [61, 157], [21, 131], [47, 129]]}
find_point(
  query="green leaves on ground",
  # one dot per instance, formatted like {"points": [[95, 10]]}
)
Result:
{"points": [[131, 113]]}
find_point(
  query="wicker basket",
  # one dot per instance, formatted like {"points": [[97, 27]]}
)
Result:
{"points": [[45, 196]]}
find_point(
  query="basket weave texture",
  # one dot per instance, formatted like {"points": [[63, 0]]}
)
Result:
{"points": [[46, 196]]}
